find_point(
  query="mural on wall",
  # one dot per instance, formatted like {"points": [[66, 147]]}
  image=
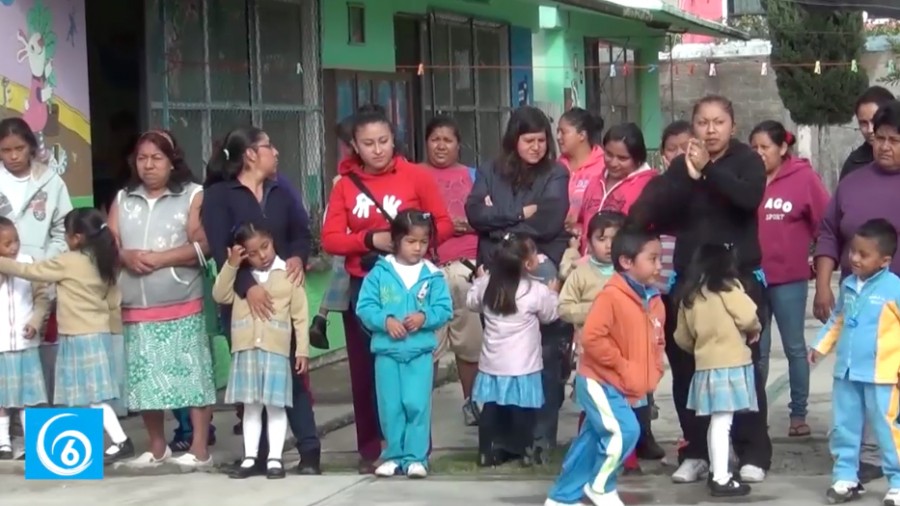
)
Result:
{"points": [[44, 80]]}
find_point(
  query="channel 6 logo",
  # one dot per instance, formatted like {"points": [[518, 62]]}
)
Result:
{"points": [[63, 444]]}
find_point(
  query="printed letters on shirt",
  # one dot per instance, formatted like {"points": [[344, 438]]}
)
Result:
{"points": [[777, 208]]}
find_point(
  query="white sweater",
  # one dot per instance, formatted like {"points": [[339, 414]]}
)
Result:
{"points": [[22, 303]]}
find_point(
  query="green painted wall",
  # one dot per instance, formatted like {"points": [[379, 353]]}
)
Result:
{"points": [[377, 54]]}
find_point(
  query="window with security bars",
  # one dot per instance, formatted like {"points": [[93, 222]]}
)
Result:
{"points": [[612, 95], [468, 79], [214, 65], [745, 8]]}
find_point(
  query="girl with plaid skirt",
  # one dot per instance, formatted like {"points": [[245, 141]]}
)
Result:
{"points": [[261, 370], [85, 279], [23, 307], [716, 322]]}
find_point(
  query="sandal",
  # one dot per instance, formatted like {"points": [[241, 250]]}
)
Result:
{"points": [[799, 429]]}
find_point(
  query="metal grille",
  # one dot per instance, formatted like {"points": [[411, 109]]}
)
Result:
{"points": [[214, 65], [613, 97], [469, 81]]}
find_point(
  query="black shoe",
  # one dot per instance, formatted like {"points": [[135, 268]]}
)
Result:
{"points": [[868, 472], [732, 488], [6, 452], [841, 496], [649, 449], [240, 472], [124, 450], [366, 466], [501, 456], [275, 472], [540, 456], [318, 333], [310, 464]]}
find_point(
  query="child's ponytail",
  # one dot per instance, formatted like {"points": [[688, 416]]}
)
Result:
{"points": [[98, 241], [507, 268]]}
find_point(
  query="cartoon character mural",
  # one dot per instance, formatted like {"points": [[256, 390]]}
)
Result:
{"points": [[38, 49]]}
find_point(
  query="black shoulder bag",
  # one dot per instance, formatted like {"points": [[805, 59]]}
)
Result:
{"points": [[368, 260]]}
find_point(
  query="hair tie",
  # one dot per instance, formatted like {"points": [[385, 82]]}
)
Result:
{"points": [[227, 154], [788, 137]]}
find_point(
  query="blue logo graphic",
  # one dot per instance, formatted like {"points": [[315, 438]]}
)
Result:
{"points": [[63, 444]]}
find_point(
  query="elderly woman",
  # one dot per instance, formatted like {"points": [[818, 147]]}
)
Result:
{"points": [[527, 192], [868, 192], [156, 219], [243, 187]]}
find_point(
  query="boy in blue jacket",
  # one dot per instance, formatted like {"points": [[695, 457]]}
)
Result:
{"points": [[403, 301], [864, 329]]}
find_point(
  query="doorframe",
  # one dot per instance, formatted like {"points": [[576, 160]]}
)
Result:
{"points": [[331, 78]]}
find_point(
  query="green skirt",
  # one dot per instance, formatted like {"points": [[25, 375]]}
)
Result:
{"points": [[169, 364]]}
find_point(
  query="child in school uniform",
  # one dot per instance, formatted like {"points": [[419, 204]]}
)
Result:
{"points": [[85, 279], [509, 381], [716, 321], [403, 301], [621, 363], [864, 333], [24, 306], [261, 368]]}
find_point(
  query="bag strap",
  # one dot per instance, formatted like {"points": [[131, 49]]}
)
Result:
{"points": [[357, 182]]}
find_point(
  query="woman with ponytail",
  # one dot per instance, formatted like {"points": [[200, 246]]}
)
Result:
{"points": [[792, 208]]}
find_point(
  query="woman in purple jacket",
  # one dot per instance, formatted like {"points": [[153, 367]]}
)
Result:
{"points": [[866, 193]]}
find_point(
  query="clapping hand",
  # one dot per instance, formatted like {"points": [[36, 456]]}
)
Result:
{"points": [[697, 158]]}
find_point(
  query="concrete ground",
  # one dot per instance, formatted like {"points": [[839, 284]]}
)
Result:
{"points": [[799, 474]]}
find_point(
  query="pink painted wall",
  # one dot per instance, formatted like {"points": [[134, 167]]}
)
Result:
{"points": [[706, 9]]}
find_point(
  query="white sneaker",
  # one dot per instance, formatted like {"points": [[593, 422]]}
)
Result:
{"points": [[892, 498], [690, 471], [147, 459], [416, 471], [189, 460], [752, 474], [608, 499], [387, 469]]}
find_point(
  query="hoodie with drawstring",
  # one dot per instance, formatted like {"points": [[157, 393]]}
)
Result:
{"points": [[616, 197], [792, 208], [580, 178], [39, 213]]}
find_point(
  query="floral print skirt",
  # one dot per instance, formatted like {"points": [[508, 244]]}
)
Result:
{"points": [[169, 364]]}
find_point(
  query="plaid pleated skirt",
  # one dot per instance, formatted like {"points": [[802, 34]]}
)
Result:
{"points": [[260, 377], [525, 391], [727, 390], [83, 372], [22, 379]]}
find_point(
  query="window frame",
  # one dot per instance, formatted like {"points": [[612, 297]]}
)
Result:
{"points": [[599, 84], [430, 105]]}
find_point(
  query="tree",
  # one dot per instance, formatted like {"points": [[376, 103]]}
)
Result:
{"points": [[800, 37]]}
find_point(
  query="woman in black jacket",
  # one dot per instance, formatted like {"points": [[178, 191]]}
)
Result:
{"points": [[711, 195], [527, 192]]}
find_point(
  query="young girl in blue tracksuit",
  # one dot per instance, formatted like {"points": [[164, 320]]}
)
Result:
{"points": [[864, 331], [403, 301]]}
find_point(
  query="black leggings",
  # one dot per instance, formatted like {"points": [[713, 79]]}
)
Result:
{"points": [[750, 432], [512, 424]]}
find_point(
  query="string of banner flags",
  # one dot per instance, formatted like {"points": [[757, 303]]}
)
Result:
{"points": [[624, 69]]}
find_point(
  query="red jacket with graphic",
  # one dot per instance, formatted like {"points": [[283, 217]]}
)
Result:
{"points": [[789, 216], [351, 216]]}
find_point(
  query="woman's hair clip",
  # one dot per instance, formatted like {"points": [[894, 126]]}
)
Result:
{"points": [[227, 154], [729, 246], [426, 215], [103, 226], [508, 236]]}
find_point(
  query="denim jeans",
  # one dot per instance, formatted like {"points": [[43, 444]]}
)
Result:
{"points": [[788, 304]]}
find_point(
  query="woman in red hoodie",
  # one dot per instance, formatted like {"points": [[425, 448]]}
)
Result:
{"points": [[374, 181], [789, 216], [624, 176]]}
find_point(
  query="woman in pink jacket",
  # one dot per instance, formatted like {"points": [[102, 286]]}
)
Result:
{"points": [[792, 207]]}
